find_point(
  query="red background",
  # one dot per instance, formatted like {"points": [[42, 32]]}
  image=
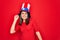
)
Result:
{"points": [[45, 12]]}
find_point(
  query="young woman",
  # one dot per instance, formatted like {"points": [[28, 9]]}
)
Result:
{"points": [[26, 26]]}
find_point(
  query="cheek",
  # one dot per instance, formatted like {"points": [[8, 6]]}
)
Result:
{"points": [[22, 15], [26, 16]]}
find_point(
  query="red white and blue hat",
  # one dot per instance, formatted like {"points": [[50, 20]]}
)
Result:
{"points": [[27, 8]]}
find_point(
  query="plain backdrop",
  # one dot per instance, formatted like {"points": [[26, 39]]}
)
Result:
{"points": [[45, 12]]}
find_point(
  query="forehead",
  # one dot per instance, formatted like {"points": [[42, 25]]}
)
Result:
{"points": [[23, 12]]}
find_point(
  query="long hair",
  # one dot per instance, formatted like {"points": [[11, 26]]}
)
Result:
{"points": [[27, 20]]}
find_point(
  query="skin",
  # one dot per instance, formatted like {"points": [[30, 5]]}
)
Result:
{"points": [[24, 17]]}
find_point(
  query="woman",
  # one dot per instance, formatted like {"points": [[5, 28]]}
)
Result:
{"points": [[25, 25]]}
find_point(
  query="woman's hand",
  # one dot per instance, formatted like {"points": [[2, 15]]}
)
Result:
{"points": [[39, 35], [16, 17]]}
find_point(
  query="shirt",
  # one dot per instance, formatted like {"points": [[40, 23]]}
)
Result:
{"points": [[27, 32]]}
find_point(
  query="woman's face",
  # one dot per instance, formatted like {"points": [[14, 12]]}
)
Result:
{"points": [[24, 15]]}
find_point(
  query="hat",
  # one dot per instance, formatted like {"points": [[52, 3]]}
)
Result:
{"points": [[27, 8]]}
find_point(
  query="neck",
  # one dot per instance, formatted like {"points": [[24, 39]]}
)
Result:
{"points": [[24, 20]]}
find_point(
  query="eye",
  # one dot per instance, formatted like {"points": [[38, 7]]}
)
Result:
{"points": [[22, 13]]}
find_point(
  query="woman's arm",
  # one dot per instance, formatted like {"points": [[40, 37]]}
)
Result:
{"points": [[12, 30], [38, 35]]}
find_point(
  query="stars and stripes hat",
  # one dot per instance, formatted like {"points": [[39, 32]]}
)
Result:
{"points": [[25, 7]]}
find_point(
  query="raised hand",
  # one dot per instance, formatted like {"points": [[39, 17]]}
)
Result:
{"points": [[16, 17]]}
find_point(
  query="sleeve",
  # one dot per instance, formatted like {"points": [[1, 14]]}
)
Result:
{"points": [[35, 26], [17, 27]]}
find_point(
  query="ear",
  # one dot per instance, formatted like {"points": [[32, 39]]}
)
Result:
{"points": [[28, 6], [23, 5]]}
